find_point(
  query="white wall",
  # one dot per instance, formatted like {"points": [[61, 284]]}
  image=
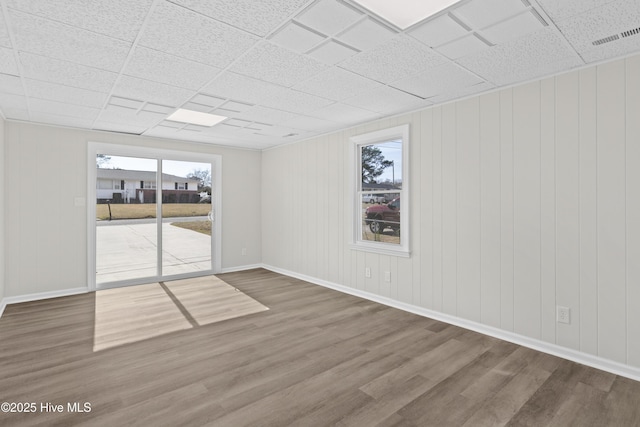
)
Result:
{"points": [[2, 223], [522, 199], [47, 233]]}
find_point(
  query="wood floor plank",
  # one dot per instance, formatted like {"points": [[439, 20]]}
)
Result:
{"points": [[172, 355]]}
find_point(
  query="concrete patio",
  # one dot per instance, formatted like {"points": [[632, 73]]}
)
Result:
{"points": [[129, 251]]}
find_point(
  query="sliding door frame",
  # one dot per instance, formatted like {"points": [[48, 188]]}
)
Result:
{"points": [[95, 148]]}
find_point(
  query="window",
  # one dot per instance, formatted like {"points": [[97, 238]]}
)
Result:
{"points": [[148, 185], [380, 169]]}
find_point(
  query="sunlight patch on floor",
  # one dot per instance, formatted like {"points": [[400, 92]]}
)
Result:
{"points": [[135, 313]]}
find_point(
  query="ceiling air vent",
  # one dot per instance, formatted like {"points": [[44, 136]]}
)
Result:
{"points": [[631, 32], [606, 40]]}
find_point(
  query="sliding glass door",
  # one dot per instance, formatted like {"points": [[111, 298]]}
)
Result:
{"points": [[153, 217], [186, 219]]}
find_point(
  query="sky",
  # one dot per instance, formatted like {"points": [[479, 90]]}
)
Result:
{"points": [[172, 167], [391, 151]]}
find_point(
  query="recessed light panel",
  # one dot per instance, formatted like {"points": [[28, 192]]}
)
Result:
{"points": [[195, 117], [405, 13]]}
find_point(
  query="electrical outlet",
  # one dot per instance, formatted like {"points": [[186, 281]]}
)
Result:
{"points": [[563, 314], [387, 276], [244, 251], [367, 272]]}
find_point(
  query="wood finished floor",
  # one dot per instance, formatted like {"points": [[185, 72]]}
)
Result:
{"points": [[316, 357]]}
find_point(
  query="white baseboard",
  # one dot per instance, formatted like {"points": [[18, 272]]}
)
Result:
{"points": [[545, 347], [39, 296], [240, 268]]}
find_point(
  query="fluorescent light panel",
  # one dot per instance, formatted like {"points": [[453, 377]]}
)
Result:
{"points": [[405, 13], [195, 117]]}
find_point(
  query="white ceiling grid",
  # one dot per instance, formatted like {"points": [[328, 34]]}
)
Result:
{"points": [[281, 70]]}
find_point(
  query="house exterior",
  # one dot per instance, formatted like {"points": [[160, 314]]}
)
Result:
{"points": [[130, 186]]}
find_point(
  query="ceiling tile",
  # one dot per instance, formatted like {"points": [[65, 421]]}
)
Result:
{"points": [[207, 100], [237, 122], [184, 33], [438, 80], [5, 40], [523, 59], [257, 17], [236, 106], [385, 100], [336, 84], [10, 101], [277, 65], [8, 62], [170, 124], [295, 102], [332, 52], [345, 114], [116, 114], [366, 34], [610, 19], [438, 31], [297, 38], [11, 84], [125, 102], [62, 109], [312, 124], [61, 120], [398, 58], [151, 91], [564, 9], [119, 127], [66, 73], [463, 47], [161, 67], [55, 40], [329, 16], [239, 87], [265, 114], [481, 13], [193, 106], [462, 92], [283, 132], [156, 108], [512, 28], [66, 94], [120, 19]]}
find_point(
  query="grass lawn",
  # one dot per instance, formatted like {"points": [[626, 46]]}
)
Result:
{"points": [[203, 227], [148, 210]]}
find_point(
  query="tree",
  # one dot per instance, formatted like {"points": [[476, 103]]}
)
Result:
{"points": [[373, 163], [204, 179], [102, 160]]}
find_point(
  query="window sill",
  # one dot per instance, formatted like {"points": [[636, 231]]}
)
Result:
{"points": [[381, 249]]}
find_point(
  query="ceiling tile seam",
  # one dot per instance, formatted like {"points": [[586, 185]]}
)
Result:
{"points": [[262, 39], [334, 40], [132, 49], [16, 56], [552, 23], [344, 3]]}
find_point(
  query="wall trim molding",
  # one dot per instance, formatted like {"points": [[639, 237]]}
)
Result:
{"points": [[40, 296], [240, 268], [545, 347]]}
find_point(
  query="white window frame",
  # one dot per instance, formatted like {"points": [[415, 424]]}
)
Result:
{"points": [[95, 148], [357, 142]]}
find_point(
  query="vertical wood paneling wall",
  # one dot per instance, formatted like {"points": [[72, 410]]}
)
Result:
{"points": [[2, 224], [522, 199]]}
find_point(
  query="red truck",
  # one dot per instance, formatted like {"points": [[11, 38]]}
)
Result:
{"points": [[379, 217]]}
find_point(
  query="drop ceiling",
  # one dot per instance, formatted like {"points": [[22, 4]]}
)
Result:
{"points": [[281, 70]]}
